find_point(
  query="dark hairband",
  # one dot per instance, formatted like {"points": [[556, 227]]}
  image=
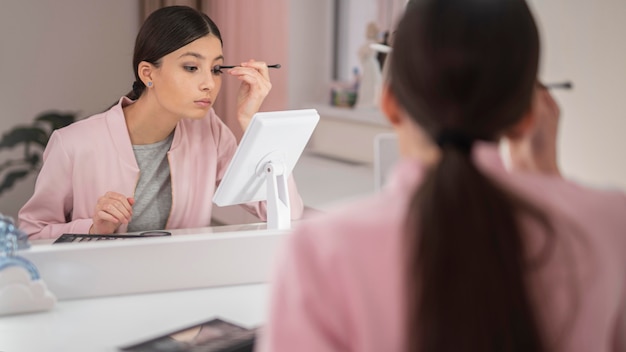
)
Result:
{"points": [[456, 139]]}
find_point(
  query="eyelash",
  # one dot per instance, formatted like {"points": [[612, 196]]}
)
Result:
{"points": [[216, 70]]}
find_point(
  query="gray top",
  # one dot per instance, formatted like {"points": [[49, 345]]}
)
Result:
{"points": [[153, 195]]}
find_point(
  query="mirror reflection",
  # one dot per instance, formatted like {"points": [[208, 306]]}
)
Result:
{"points": [[65, 68]]}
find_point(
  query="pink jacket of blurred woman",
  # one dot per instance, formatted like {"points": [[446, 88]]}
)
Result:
{"points": [[90, 157], [339, 283]]}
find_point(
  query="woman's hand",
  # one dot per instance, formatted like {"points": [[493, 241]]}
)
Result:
{"points": [[536, 150], [255, 85], [112, 210]]}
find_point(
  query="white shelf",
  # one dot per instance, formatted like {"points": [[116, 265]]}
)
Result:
{"points": [[347, 134], [368, 116]]}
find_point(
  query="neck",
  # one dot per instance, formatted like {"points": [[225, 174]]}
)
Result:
{"points": [[414, 143], [147, 124]]}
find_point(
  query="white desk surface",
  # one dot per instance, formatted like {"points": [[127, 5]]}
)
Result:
{"points": [[113, 317], [104, 324]]}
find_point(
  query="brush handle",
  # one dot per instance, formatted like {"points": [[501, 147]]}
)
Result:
{"points": [[230, 66], [561, 85]]}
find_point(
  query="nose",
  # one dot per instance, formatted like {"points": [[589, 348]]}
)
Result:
{"points": [[208, 82]]}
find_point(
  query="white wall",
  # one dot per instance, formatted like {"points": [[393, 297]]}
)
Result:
{"points": [[583, 42], [355, 15], [67, 55], [310, 52]]}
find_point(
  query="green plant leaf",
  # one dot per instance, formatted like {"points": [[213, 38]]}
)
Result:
{"points": [[56, 119], [37, 133], [34, 160], [24, 135], [11, 178]]}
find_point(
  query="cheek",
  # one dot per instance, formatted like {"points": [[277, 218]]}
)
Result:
{"points": [[179, 87], [218, 86]]}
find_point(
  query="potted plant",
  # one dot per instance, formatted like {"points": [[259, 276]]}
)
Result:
{"points": [[34, 139]]}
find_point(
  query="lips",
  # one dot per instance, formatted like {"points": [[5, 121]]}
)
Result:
{"points": [[205, 103]]}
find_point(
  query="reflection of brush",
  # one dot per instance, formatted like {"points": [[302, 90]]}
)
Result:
{"points": [[219, 67], [560, 85]]}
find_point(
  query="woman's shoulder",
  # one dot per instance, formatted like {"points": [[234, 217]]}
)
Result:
{"points": [[599, 213], [571, 194], [555, 193], [606, 202], [94, 124]]}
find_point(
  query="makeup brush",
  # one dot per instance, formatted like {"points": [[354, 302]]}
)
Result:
{"points": [[230, 66], [560, 85]]}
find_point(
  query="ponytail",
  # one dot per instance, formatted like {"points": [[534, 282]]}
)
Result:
{"points": [[464, 70], [138, 88], [466, 262]]}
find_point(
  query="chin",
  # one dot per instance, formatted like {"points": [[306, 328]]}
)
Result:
{"points": [[198, 114]]}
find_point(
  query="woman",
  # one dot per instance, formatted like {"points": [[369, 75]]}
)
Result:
{"points": [[457, 253], [154, 160]]}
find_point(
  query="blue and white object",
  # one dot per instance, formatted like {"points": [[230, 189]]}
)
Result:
{"points": [[21, 288]]}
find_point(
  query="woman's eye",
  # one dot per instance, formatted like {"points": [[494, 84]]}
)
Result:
{"points": [[216, 70], [190, 68]]}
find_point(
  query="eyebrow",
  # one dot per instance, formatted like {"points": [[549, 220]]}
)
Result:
{"points": [[199, 56]]}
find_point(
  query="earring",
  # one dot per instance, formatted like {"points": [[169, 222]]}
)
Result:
{"points": [[149, 84]]}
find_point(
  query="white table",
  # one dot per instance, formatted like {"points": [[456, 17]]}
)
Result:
{"points": [[118, 293], [104, 324]]}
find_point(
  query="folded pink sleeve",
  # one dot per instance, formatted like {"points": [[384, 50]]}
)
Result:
{"points": [[45, 214]]}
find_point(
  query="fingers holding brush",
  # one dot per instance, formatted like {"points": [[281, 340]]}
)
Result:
{"points": [[255, 86]]}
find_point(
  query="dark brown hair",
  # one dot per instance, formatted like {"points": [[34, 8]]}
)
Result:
{"points": [[164, 31], [464, 70]]}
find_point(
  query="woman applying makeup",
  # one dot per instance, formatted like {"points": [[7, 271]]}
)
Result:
{"points": [[154, 160], [458, 253]]}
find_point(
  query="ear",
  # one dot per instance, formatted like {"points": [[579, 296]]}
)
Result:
{"points": [[523, 127], [389, 105], [145, 71]]}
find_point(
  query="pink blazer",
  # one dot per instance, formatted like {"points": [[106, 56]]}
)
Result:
{"points": [[338, 284], [90, 157]]}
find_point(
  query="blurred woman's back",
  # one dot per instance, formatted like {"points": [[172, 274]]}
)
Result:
{"points": [[458, 254]]}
